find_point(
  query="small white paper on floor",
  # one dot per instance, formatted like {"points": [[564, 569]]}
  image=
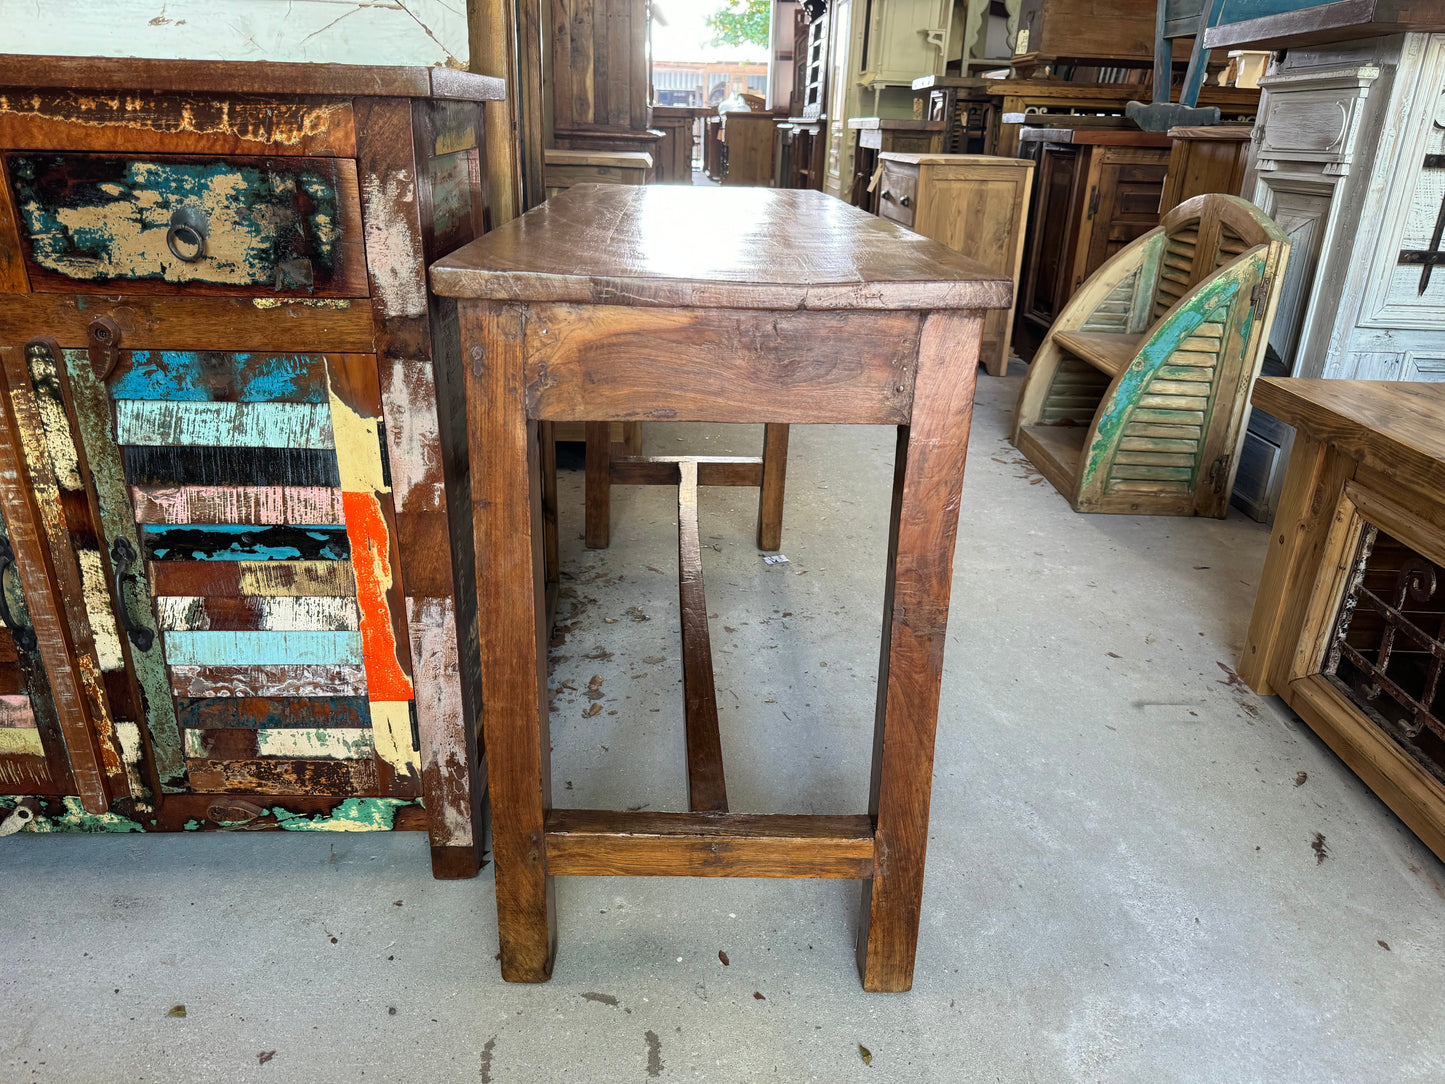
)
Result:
{"points": [[775, 559]]}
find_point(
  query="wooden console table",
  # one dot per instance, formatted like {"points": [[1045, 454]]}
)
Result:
{"points": [[1349, 623], [612, 303]]}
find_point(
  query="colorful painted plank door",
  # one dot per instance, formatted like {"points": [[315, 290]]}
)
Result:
{"points": [[252, 493]]}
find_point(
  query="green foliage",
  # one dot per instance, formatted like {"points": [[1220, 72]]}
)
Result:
{"points": [[742, 22]]}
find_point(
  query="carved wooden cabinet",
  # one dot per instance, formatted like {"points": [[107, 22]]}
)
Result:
{"points": [[224, 475], [1349, 159], [1094, 192]]}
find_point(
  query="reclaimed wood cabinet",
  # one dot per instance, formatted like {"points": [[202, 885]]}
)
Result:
{"points": [[1095, 192], [977, 205], [747, 140], [1349, 623], [1205, 160], [227, 447]]}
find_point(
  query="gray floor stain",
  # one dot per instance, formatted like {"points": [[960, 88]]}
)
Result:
{"points": [[654, 1053]]}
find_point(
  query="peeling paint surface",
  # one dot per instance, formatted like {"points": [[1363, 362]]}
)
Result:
{"points": [[88, 217], [393, 250], [255, 120], [98, 608], [352, 815], [76, 819]]}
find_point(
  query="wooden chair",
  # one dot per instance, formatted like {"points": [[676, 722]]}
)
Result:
{"points": [[768, 472], [1136, 400]]}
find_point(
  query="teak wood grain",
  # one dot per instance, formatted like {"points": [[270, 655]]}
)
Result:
{"points": [[706, 788], [669, 245], [553, 311]]}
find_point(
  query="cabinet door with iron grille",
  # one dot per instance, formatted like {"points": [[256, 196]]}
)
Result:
{"points": [[243, 500]]}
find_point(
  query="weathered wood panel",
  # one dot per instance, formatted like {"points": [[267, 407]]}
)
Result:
{"points": [[194, 613], [252, 224], [251, 578], [176, 123], [253, 425], [148, 464], [189, 323], [116, 522], [216, 376], [282, 680], [283, 776], [238, 504], [233, 542], [262, 648], [261, 713]]}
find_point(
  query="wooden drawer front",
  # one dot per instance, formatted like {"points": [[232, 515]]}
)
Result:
{"points": [[32, 750], [168, 225], [898, 193], [256, 493]]}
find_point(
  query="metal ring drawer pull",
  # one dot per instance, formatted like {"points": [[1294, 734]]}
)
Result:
{"points": [[121, 557], [180, 234], [24, 634]]}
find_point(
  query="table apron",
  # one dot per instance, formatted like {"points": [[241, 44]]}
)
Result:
{"points": [[618, 363]]}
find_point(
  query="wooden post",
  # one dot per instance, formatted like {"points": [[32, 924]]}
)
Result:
{"points": [[491, 41], [928, 479]]}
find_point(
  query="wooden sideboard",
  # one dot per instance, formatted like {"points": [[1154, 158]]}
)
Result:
{"points": [[1349, 623], [229, 447], [1094, 192], [675, 148], [977, 205]]}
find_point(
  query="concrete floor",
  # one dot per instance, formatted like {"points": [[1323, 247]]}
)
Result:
{"points": [[1123, 879]]}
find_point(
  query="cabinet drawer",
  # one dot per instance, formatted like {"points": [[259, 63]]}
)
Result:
{"points": [[172, 224], [898, 193]]}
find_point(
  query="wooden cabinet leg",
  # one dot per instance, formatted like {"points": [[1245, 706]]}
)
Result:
{"points": [[507, 525], [770, 495], [598, 485], [927, 482]]}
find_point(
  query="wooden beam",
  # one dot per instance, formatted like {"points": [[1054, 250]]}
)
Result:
{"points": [[706, 788], [662, 470], [492, 48], [599, 843]]}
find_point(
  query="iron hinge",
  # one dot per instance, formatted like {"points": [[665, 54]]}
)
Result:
{"points": [[1259, 296], [415, 727], [1093, 201], [1218, 473]]}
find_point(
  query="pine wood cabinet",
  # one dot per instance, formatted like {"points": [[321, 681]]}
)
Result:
{"points": [[227, 450], [976, 205]]}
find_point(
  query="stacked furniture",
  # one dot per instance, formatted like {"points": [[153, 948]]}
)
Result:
{"points": [[876, 135], [963, 106], [228, 447], [1135, 402], [976, 205], [568, 167]]}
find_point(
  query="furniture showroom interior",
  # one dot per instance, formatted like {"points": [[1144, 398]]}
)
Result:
{"points": [[722, 540]]}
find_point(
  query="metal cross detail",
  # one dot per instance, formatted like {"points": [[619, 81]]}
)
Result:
{"points": [[1431, 256]]}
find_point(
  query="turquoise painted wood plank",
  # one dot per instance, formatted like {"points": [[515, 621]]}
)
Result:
{"points": [[204, 376], [223, 425], [243, 542], [261, 648]]}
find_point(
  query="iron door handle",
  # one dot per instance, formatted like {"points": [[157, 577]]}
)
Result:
{"points": [[122, 556]]}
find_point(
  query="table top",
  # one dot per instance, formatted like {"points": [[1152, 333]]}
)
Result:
{"points": [[1392, 425], [703, 247]]}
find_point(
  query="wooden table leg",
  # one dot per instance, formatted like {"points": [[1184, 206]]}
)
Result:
{"points": [[770, 494], [597, 485], [507, 524], [927, 480]]}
